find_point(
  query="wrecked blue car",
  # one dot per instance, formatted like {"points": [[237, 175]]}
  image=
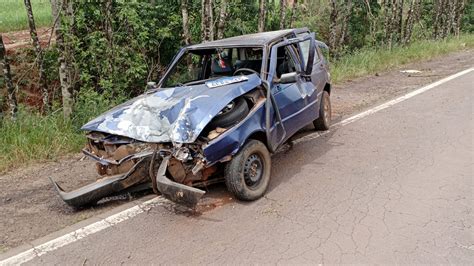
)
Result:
{"points": [[219, 112]]}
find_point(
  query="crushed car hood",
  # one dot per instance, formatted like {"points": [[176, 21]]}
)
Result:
{"points": [[172, 114]]}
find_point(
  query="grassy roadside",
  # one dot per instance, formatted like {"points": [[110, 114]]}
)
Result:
{"points": [[369, 61], [33, 138], [13, 14]]}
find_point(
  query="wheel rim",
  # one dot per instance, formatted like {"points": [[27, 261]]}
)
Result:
{"points": [[253, 170], [227, 108]]}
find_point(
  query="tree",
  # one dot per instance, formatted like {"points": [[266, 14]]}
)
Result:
{"points": [[282, 13], [222, 19], [333, 17], [459, 14], [12, 103], [64, 9], [207, 28], [339, 24], [399, 21], [185, 15], [293, 13], [372, 22], [262, 13], [412, 16], [345, 22], [39, 56], [392, 23]]}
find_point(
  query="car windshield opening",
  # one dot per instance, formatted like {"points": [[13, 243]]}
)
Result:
{"points": [[198, 66]]}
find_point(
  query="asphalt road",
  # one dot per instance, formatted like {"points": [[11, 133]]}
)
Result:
{"points": [[393, 187]]}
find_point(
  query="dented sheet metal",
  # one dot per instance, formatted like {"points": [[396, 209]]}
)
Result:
{"points": [[171, 114]]}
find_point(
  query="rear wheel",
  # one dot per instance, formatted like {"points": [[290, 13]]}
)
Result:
{"points": [[324, 120], [248, 174]]}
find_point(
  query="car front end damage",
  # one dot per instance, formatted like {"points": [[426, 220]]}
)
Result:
{"points": [[176, 170]]}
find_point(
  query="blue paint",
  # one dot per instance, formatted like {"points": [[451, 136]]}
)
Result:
{"points": [[172, 114]]}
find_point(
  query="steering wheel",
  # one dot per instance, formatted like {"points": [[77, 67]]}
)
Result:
{"points": [[246, 70]]}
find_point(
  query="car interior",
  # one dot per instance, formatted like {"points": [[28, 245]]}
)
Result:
{"points": [[200, 65]]}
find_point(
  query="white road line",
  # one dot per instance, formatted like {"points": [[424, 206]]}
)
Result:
{"points": [[115, 219], [383, 106], [83, 232]]}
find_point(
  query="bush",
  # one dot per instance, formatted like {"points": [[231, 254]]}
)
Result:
{"points": [[36, 137]]}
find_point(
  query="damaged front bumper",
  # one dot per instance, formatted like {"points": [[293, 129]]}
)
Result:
{"points": [[135, 169], [107, 186], [179, 193]]}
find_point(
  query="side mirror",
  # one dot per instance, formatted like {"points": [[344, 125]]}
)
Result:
{"points": [[150, 85], [288, 78]]}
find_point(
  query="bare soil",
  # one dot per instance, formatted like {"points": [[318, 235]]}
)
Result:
{"points": [[31, 209], [18, 39]]}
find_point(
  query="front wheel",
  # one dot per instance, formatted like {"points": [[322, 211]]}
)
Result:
{"points": [[248, 174], [324, 120]]}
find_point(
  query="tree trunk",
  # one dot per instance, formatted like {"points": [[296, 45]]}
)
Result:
{"points": [[345, 22], [400, 20], [55, 9], [459, 15], [446, 18], [262, 13], [207, 31], [39, 56], [282, 13], [222, 19], [185, 14], [333, 25], [372, 21], [412, 16], [293, 12], [437, 17], [12, 103], [453, 16], [387, 23], [64, 59], [392, 24]]}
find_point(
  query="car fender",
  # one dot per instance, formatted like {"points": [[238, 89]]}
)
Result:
{"points": [[229, 143]]}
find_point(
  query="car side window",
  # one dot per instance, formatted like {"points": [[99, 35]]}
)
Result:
{"points": [[305, 50], [286, 63]]}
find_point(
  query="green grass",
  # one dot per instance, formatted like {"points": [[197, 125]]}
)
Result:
{"points": [[33, 137], [13, 14], [40, 138], [369, 61]]}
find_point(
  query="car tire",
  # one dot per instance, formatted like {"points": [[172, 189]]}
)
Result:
{"points": [[324, 120], [247, 175], [230, 116]]}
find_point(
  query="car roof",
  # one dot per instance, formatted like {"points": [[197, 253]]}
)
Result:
{"points": [[253, 40]]}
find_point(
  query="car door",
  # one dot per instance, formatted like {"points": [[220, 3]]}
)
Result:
{"points": [[295, 98], [316, 74]]}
